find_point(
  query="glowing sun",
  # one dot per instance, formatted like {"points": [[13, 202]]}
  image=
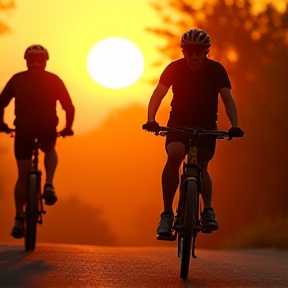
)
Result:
{"points": [[115, 63]]}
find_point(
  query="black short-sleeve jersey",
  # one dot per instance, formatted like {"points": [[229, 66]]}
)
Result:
{"points": [[36, 93], [195, 94]]}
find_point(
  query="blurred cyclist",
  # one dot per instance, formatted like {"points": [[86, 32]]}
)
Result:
{"points": [[196, 82], [36, 92]]}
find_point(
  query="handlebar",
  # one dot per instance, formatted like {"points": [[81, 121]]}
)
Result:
{"points": [[194, 132], [12, 130]]}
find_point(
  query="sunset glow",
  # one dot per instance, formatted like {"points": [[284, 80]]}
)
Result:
{"points": [[108, 178], [69, 40]]}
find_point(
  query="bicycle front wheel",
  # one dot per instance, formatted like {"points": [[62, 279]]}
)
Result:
{"points": [[190, 219], [31, 212]]}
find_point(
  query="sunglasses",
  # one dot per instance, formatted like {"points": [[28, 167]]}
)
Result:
{"points": [[196, 52]]}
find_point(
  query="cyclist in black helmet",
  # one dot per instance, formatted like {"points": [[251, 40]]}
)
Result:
{"points": [[196, 82], [36, 92]]}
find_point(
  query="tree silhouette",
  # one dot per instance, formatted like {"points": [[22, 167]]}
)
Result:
{"points": [[238, 35], [4, 7]]}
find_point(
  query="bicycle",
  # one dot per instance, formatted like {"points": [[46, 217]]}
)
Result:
{"points": [[34, 200], [187, 222]]}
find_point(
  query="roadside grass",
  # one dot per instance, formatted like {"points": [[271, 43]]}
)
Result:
{"points": [[263, 233]]}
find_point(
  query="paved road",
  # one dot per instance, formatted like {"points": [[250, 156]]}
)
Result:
{"points": [[104, 267]]}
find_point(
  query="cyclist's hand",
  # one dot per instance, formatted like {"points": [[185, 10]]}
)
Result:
{"points": [[66, 132], [151, 126], [4, 127], [235, 132]]}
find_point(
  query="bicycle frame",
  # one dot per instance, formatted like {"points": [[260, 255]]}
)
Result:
{"points": [[35, 171], [34, 202]]}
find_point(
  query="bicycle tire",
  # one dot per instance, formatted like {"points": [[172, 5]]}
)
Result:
{"points": [[190, 219], [31, 212]]}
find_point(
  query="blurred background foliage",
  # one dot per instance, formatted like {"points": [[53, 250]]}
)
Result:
{"points": [[5, 8]]}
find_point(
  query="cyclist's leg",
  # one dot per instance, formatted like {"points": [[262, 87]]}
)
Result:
{"points": [[205, 154], [23, 147], [206, 150], [206, 184], [24, 166], [170, 175], [209, 222], [47, 139], [47, 135], [50, 163], [176, 146], [170, 180]]}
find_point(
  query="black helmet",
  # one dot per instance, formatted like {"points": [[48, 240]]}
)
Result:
{"points": [[195, 37], [35, 50]]}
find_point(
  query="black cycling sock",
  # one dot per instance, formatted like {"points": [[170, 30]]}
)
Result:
{"points": [[167, 213], [48, 185]]}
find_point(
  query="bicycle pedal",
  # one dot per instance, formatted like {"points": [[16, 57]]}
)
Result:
{"points": [[171, 237]]}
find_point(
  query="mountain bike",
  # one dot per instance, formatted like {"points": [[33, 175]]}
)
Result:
{"points": [[34, 201], [187, 222]]}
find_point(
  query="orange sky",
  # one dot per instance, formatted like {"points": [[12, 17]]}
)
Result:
{"points": [[69, 29], [115, 167]]}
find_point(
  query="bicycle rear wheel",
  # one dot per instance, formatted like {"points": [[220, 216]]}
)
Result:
{"points": [[190, 218], [31, 212]]}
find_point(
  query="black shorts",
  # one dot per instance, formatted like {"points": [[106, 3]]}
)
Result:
{"points": [[25, 138], [205, 143]]}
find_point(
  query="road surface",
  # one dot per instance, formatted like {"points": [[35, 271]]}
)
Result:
{"points": [[115, 267]]}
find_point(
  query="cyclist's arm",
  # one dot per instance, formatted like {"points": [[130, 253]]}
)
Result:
{"points": [[5, 98], [230, 106], [66, 103], [155, 100]]}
